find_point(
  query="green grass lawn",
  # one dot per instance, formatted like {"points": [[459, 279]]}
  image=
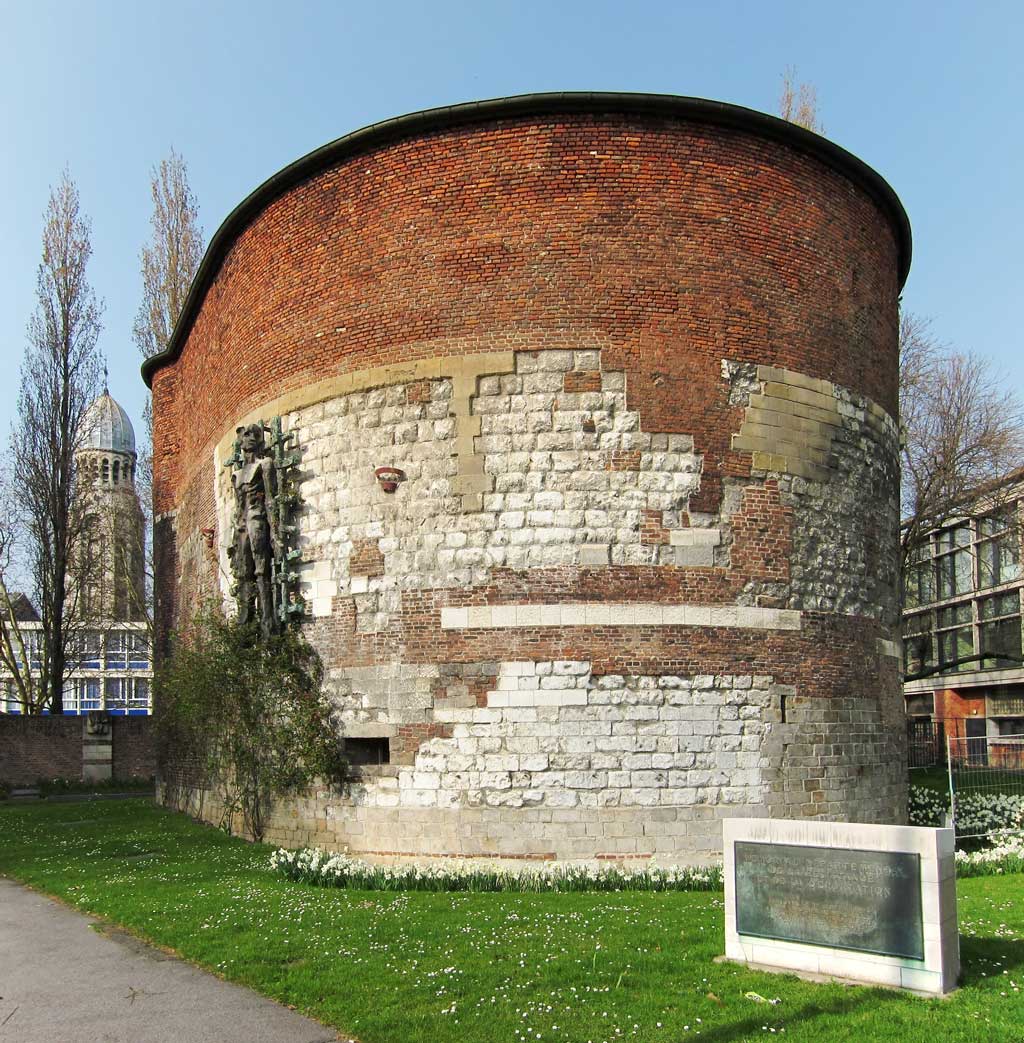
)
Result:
{"points": [[476, 968], [934, 778], [987, 782]]}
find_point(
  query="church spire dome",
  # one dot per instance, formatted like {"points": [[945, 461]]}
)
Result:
{"points": [[106, 427]]}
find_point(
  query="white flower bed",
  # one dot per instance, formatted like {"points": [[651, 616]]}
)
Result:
{"points": [[1005, 856], [1000, 815], [927, 807], [325, 869], [976, 812]]}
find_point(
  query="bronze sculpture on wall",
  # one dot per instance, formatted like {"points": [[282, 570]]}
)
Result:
{"points": [[264, 498]]}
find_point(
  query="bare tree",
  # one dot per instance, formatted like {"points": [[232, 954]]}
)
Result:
{"points": [[16, 640], [962, 437], [171, 258], [169, 263], [60, 376], [798, 102]]}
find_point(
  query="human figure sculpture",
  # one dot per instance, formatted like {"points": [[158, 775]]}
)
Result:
{"points": [[256, 539]]}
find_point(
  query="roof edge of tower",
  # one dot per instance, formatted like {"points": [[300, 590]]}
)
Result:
{"points": [[694, 109]]}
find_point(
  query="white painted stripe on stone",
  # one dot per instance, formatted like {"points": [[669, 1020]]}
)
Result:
{"points": [[504, 617]]}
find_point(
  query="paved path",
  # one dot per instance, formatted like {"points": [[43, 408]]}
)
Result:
{"points": [[62, 980]]}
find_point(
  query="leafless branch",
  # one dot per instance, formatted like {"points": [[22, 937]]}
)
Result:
{"points": [[169, 262], [962, 435], [14, 641], [798, 102]]}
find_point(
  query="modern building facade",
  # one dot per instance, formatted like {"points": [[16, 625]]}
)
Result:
{"points": [[962, 643], [594, 401], [111, 634]]}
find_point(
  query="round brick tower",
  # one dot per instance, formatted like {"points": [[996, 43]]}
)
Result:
{"points": [[636, 358]]}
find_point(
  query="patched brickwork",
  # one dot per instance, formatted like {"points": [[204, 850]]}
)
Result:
{"points": [[831, 460], [641, 571], [366, 559], [553, 500], [580, 381], [565, 764], [625, 460], [410, 739], [491, 267], [418, 392], [652, 529], [763, 534]]}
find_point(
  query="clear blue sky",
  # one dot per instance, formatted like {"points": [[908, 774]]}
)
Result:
{"points": [[929, 93]]}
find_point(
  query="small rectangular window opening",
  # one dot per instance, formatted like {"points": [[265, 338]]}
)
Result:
{"points": [[368, 751]]}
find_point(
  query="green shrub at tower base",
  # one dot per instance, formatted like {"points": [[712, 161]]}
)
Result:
{"points": [[245, 718]]}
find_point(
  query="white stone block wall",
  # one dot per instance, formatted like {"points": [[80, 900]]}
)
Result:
{"points": [[543, 453], [506, 469], [552, 735]]}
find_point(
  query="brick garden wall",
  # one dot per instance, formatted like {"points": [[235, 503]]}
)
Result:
{"points": [[51, 747], [134, 753], [641, 376], [40, 747]]}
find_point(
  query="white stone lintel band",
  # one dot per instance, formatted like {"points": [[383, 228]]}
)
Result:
{"points": [[478, 617], [695, 537]]}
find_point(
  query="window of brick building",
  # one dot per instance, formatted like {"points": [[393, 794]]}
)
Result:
{"points": [[115, 694], [138, 650], [954, 562], [1000, 632], [921, 704], [956, 636], [919, 578], [918, 643], [89, 694], [138, 697], [117, 650], [998, 550], [88, 650]]}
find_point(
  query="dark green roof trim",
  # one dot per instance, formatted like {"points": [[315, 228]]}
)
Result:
{"points": [[693, 109]]}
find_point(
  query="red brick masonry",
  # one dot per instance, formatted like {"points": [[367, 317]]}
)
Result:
{"points": [[32, 748]]}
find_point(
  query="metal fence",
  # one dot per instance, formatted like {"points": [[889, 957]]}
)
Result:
{"points": [[926, 742], [983, 766]]}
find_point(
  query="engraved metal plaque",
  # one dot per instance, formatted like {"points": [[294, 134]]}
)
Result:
{"points": [[867, 901]]}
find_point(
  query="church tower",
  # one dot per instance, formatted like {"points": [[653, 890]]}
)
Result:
{"points": [[113, 570]]}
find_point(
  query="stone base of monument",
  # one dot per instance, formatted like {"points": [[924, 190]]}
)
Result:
{"points": [[834, 900]]}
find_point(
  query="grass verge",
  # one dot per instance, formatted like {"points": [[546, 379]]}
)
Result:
{"points": [[482, 968]]}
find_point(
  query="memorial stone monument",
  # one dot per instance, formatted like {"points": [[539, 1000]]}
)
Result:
{"points": [[866, 903]]}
